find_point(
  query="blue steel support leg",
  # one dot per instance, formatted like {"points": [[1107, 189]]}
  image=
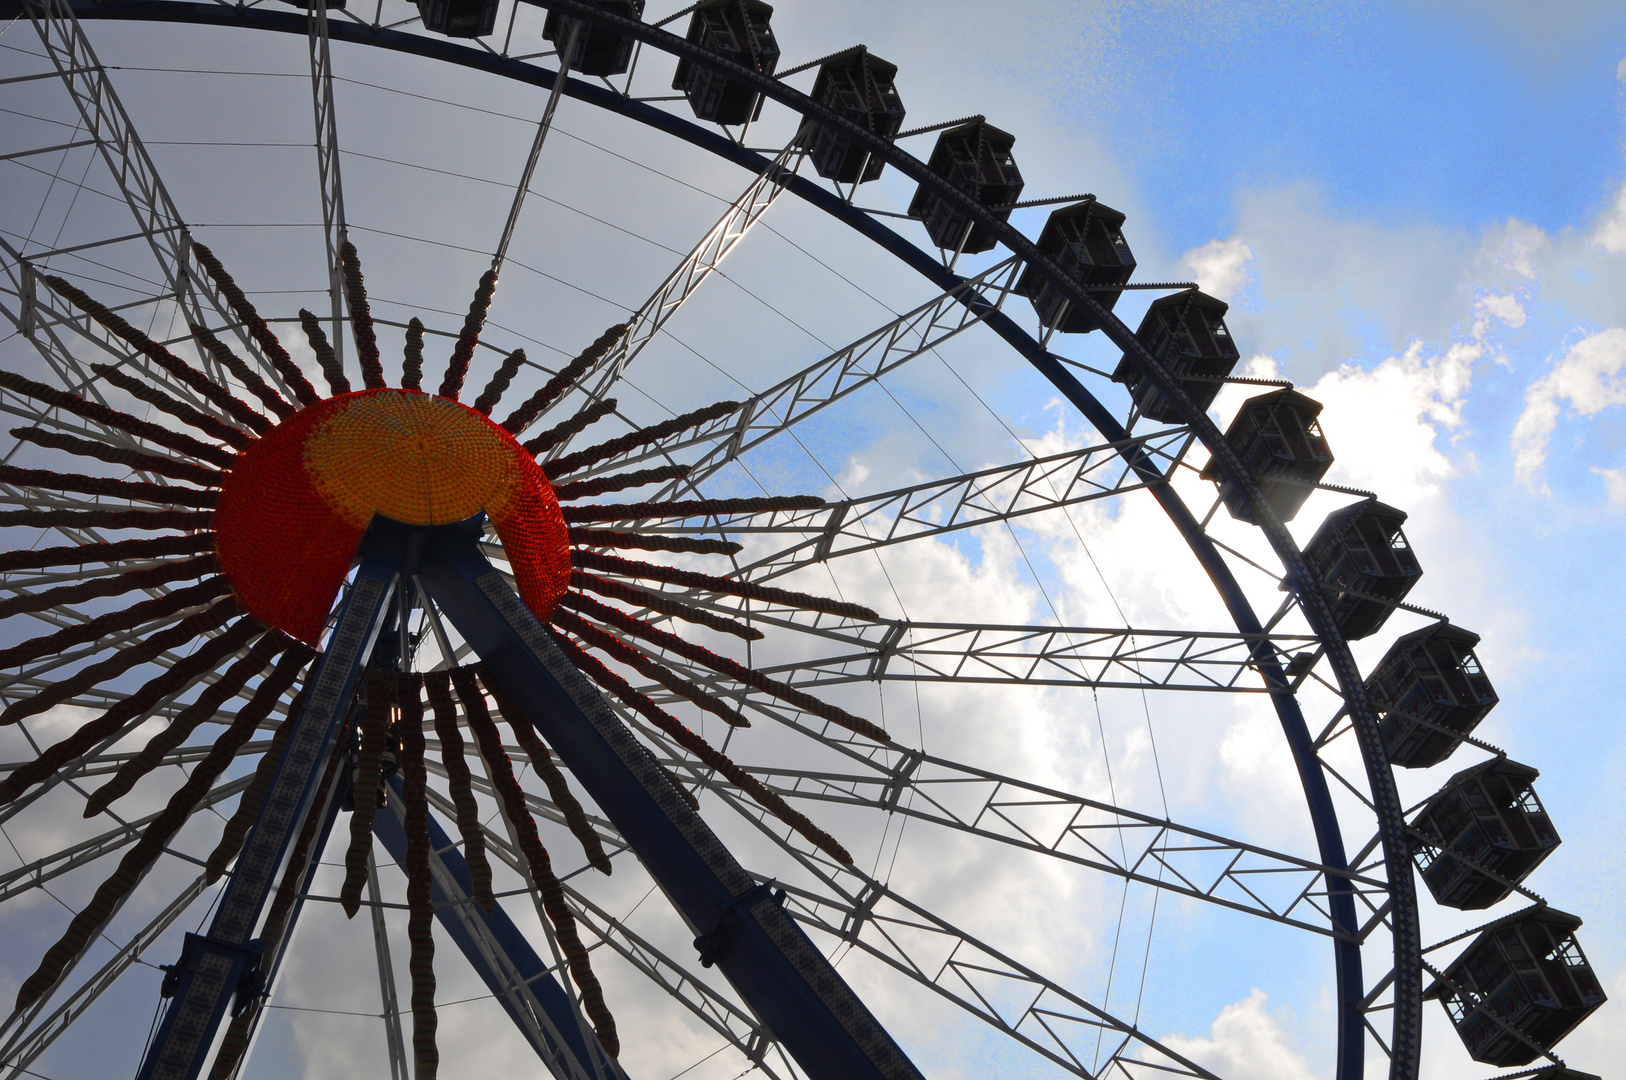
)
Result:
{"points": [[738, 924], [328, 803], [517, 977], [210, 973]]}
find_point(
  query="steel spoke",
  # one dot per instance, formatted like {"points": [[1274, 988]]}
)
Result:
{"points": [[334, 233], [37, 873], [876, 920], [909, 651], [386, 976], [691, 273], [29, 1042], [828, 380], [106, 121]]}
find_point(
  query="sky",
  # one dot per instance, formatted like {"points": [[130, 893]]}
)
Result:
{"points": [[1417, 213]]}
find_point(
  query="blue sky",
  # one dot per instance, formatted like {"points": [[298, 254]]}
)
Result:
{"points": [[1451, 114], [1418, 212]]}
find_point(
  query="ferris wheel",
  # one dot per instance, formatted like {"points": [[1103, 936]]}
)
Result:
{"points": [[550, 650]]}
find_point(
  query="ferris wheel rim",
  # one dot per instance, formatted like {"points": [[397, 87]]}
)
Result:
{"points": [[916, 258]]}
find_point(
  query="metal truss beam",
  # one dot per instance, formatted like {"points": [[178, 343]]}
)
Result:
{"points": [[691, 273], [334, 233], [1009, 996], [1155, 851], [108, 124], [41, 316], [387, 996], [567, 52], [32, 1039], [984, 497], [828, 380], [1143, 848], [42, 871], [1100, 657]]}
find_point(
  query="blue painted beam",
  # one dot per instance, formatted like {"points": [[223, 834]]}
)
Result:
{"points": [[332, 801], [738, 924], [500, 954], [211, 972]]}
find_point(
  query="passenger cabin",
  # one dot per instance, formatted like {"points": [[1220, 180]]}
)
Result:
{"points": [[1087, 240], [976, 158], [859, 86], [1525, 973], [1486, 820], [1280, 443], [1361, 558], [1187, 332], [1431, 693], [735, 30], [599, 50], [457, 18]]}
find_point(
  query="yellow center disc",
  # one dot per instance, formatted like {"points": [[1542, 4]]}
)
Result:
{"points": [[418, 459]]}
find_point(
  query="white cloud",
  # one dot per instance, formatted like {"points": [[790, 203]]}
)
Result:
{"points": [[1611, 233], [1220, 267], [1384, 423], [1588, 378], [1497, 306], [1245, 1042], [1615, 481]]}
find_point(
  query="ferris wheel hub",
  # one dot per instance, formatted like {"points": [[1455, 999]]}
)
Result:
{"points": [[295, 506]]}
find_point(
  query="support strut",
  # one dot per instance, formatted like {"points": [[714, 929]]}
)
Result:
{"points": [[226, 959]]}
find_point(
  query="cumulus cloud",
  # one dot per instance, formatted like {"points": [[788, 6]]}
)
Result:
{"points": [[1615, 483], [1245, 1042], [1611, 232], [1220, 267], [1497, 306], [1386, 421], [1588, 378]]}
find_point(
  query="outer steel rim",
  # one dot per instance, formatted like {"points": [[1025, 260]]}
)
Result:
{"points": [[1405, 1043]]}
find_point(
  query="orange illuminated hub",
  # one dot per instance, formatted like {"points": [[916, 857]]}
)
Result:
{"points": [[295, 506]]}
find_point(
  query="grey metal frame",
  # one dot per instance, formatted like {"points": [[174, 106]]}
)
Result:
{"points": [[35, 316]]}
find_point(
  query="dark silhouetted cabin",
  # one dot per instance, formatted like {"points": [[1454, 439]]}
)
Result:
{"points": [[1087, 240], [457, 18], [976, 158], [1431, 693], [1528, 972], [735, 30], [1279, 440], [860, 87], [599, 50], [1486, 818], [1363, 562], [1187, 332]]}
